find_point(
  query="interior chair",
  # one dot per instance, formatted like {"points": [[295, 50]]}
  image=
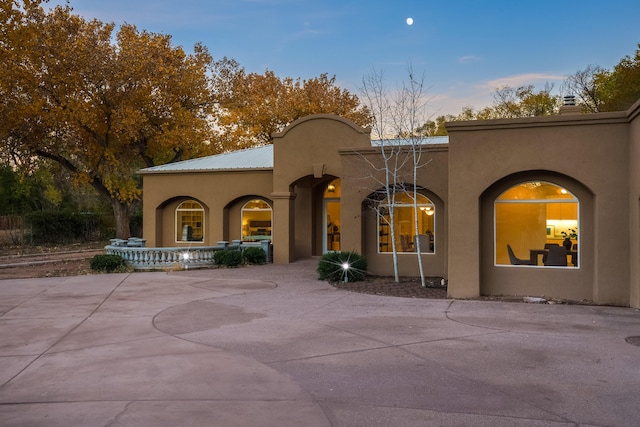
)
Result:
{"points": [[405, 243], [557, 256], [547, 246], [515, 260], [425, 243]]}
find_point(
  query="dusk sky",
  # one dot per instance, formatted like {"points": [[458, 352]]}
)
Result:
{"points": [[465, 48]]}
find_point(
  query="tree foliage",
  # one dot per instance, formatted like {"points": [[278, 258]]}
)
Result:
{"points": [[619, 88], [508, 103], [101, 107], [254, 106]]}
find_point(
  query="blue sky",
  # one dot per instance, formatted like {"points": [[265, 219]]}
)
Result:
{"points": [[465, 48]]}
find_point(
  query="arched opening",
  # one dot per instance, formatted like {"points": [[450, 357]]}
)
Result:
{"points": [[256, 216], [536, 223], [189, 222], [528, 212]]}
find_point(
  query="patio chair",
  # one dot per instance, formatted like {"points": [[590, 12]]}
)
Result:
{"points": [[557, 256], [515, 260]]}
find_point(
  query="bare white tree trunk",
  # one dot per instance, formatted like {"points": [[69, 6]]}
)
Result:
{"points": [[397, 117]]}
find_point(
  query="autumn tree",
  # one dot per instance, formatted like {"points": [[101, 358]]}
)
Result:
{"points": [[254, 106], [100, 105]]}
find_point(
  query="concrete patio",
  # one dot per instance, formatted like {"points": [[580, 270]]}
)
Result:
{"points": [[272, 346]]}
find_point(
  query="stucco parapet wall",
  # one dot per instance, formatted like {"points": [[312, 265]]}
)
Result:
{"points": [[539, 122], [354, 126]]}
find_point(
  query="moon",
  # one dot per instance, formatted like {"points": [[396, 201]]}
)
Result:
{"points": [[409, 21]]}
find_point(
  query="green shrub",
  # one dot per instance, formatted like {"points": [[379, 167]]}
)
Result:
{"points": [[254, 255], [228, 258], [331, 267], [233, 258], [220, 257], [108, 263]]}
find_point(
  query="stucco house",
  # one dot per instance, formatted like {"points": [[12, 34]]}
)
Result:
{"points": [[496, 199]]}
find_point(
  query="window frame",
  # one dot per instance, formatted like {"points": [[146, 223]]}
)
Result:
{"points": [[179, 231], [541, 201], [383, 211], [244, 209]]}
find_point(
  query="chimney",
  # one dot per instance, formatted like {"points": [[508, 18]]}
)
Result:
{"points": [[569, 106]]}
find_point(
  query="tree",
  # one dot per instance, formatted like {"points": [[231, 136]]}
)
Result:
{"points": [[397, 115], [583, 85], [254, 106], [101, 108], [620, 88]]}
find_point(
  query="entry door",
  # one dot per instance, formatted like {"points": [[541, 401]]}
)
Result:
{"points": [[331, 240]]}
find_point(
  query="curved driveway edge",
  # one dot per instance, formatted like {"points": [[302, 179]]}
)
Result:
{"points": [[272, 346]]}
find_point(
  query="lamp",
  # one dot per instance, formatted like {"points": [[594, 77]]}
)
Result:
{"points": [[331, 188]]}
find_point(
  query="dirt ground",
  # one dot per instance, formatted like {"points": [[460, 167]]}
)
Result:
{"points": [[27, 261]]}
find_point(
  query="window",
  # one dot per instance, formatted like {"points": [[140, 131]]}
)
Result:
{"points": [[404, 224], [256, 220], [534, 219], [189, 222]]}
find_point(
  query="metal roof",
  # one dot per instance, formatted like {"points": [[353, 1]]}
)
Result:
{"points": [[420, 140], [250, 158], [261, 157]]}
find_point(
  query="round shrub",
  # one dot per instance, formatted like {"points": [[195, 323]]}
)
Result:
{"points": [[108, 263], [234, 258], [254, 255], [331, 267]]}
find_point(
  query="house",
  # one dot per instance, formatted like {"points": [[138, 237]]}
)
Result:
{"points": [[494, 199]]}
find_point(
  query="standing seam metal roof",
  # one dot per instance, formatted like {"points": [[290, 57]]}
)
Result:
{"points": [[250, 158], [260, 157]]}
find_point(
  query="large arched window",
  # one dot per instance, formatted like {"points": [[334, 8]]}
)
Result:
{"points": [[256, 220], [189, 222], [536, 224], [404, 224]]}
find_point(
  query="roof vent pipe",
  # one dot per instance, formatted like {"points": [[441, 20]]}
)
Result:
{"points": [[569, 106]]}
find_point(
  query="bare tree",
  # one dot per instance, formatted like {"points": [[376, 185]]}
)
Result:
{"points": [[397, 118], [583, 84]]}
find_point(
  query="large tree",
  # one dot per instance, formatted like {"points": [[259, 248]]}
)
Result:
{"points": [[620, 87], [102, 107], [253, 106]]}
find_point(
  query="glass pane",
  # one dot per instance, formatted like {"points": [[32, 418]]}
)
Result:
{"points": [[532, 218], [189, 225], [404, 225], [256, 221]]}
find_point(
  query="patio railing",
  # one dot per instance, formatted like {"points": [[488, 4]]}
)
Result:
{"points": [[136, 255]]}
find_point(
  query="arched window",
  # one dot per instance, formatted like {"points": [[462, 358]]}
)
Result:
{"points": [[404, 224], [256, 220], [189, 222], [536, 223]]}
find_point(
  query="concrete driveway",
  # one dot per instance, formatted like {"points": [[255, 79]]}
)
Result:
{"points": [[272, 346]]}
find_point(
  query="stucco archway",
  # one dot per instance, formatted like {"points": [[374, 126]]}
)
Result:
{"points": [[576, 283]]}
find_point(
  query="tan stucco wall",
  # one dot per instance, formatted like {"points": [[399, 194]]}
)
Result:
{"points": [[215, 190], [593, 150], [634, 205], [360, 179], [596, 157], [306, 155]]}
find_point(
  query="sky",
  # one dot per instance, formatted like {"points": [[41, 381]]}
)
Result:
{"points": [[465, 49]]}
